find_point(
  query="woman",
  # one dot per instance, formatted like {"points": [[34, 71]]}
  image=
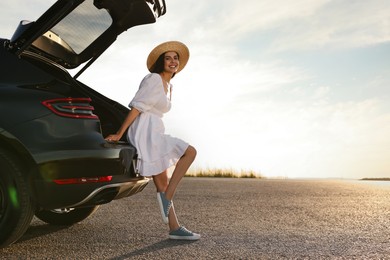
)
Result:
{"points": [[156, 150]]}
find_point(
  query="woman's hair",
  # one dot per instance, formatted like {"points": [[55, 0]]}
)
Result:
{"points": [[158, 66]]}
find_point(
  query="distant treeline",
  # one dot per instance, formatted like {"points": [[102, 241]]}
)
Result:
{"points": [[223, 173], [375, 179]]}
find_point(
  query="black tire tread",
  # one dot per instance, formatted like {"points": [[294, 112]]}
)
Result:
{"points": [[27, 205]]}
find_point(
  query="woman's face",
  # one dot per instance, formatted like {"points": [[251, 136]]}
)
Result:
{"points": [[171, 62]]}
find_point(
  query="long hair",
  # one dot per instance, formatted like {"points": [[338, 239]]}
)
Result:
{"points": [[158, 66]]}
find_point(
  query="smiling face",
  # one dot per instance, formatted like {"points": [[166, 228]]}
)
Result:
{"points": [[171, 62]]}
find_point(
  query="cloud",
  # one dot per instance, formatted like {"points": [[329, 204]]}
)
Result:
{"points": [[12, 12], [304, 137], [298, 25], [337, 25]]}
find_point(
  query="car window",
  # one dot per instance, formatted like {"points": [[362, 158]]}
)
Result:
{"points": [[81, 27]]}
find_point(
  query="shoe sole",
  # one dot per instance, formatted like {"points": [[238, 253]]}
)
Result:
{"points": [[165, 219], [191, 238]]}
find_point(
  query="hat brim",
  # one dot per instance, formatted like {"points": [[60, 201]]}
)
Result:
{"points": [[176, 46]]}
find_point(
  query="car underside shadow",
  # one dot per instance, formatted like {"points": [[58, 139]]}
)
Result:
{"points": [[40, 231]]}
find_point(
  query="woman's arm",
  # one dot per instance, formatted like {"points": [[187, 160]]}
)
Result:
{"points": [[133, 113]]}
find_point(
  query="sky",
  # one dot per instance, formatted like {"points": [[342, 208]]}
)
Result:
{"points": [[290, 89]]}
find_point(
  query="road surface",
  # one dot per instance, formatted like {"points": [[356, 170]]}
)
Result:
{"points": [[237, 218]]}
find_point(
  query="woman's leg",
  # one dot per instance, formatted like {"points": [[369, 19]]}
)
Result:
{"points": [[180, 170], [161, 183]]}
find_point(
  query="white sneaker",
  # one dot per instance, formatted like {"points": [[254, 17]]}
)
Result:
{"points": [[183, 234]]}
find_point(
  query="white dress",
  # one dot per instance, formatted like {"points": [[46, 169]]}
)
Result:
{"points": [[156, 150]]}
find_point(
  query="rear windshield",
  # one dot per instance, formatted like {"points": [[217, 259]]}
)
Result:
{"points": [[77, 32]]}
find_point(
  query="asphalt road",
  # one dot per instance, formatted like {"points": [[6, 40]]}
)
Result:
{"points": [[237, 218]]}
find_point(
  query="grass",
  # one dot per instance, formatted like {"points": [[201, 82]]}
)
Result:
{"points": [[375, 179], [223, 173]]}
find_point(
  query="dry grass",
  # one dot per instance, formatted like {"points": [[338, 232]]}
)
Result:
{"points": [[223, 173], [375, 179]]}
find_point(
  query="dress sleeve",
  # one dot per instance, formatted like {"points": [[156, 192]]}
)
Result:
{"points": [[148, 93]]}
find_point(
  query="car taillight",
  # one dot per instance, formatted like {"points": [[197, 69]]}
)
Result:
{"points": [[71, 107], [83, 180]]}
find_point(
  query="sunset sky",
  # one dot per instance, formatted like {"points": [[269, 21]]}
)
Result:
{"points": [[283, 88]]}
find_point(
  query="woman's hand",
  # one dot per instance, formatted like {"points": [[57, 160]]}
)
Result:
{"points": [[133, 113], [113, 138]]}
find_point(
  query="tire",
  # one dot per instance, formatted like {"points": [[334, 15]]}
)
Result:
{"points": [[16, 206], [65, 217]]}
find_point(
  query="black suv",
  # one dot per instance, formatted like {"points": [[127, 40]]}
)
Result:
{"points": [[54, 161]]}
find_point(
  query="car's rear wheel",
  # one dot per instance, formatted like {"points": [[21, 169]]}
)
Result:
{"points": [[65, 217], [16, 206]]}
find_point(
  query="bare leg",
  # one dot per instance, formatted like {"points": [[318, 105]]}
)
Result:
{"points": [[163, 184], [180, 170]]}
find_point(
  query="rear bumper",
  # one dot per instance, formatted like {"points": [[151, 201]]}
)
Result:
{"points": [[99, 160], [53, 196], [114, 160], [114, 191]]}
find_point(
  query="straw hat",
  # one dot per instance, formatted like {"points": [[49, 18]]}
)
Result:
{"points": [[178, 47]]}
